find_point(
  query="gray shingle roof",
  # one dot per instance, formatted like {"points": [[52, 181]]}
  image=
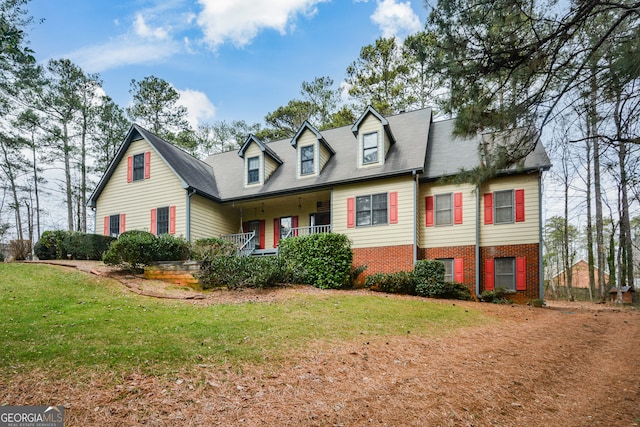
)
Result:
{"points": [[448, 155], [405, 156]]}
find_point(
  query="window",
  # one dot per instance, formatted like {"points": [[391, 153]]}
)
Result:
{"points": [[138, 167], [370, 148], [255, 227], [443, 209], [253, 175], [505, 273], [448, 269], [371, 210], [306, 160], [286, 224], [503, 206], [162, 218], [114, 225]]}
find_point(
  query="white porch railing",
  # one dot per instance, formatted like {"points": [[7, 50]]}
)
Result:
{"points": [[246, 242], [305, 231]]}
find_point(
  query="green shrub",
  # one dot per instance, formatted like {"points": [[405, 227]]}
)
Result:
{"points": [[132, 251], [402, 282], [85, 246], [454, 290], [321, 260], [51, 245], [236, 272], [1, 257], [429, 276], [59, 244], [210, 248], [497, 296], [171, 248]]}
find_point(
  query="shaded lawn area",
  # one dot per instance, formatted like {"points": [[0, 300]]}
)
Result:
{"points": [[65, 321]]}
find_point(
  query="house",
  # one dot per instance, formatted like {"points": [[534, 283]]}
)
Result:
{"points": [[377, 181], [579, 276]]}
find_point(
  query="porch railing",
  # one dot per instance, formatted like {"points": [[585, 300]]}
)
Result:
{"points": [[246, 242], [305, 231]]}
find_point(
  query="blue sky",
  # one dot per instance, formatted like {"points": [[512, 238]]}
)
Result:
{"points": [[229, 59]]}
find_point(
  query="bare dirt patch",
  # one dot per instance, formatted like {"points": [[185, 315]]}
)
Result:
{"points": [[565, 365]]}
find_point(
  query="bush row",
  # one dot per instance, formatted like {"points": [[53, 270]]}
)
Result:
{"points": [[134, 249], [64, 244], [426, 279]]}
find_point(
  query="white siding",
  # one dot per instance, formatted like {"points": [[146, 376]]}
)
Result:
{"points": [[517, 232], [437, 236], [401, 233], [136, 199], [325, 155]]}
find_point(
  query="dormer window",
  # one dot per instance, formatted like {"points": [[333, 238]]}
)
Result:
{"points": [[370, 148], [253, 170], [307, 160]]}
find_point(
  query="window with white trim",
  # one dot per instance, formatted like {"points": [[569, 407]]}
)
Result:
{"points": [[505, 273], [162, 220], [307, 162], [253, 170], [503, 206], [371, 210], [138, 167], [444, 209], [370, 148]]}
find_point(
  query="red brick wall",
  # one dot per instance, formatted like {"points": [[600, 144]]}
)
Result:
{"points": [[467, 253], [386, 259], [531, 252]]}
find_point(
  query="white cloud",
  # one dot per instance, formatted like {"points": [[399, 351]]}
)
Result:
{"points": [[143, 30], [239, 21], [396, 18], [123, 51], [199, 107]]}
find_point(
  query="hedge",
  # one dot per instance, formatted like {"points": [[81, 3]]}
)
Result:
{"points": [[59, 244]]}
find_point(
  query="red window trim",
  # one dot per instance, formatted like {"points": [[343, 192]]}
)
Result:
{"points": [[488, 208], [489, 274], [351, 212], [519, 205], [428, 205], [393, 207], [457, 208]]}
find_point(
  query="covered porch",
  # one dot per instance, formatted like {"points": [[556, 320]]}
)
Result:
{"points": [[262, 223]]}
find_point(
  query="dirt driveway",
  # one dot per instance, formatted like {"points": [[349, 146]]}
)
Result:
{"points": [[566, 365]]}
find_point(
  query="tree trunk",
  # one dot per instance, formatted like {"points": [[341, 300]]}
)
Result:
{"points": [[13, 187], [35, 184], [597, 186], [589, 230], [66, 148]]}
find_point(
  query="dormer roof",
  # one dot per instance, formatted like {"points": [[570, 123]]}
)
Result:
{"points": [[308, 126], [264, 147], [385, 123]]}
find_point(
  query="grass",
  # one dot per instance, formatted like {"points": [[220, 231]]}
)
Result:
{"points": [[67, 321]]}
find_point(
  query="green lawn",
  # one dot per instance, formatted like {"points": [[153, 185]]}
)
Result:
{"points": [[65, 321]]}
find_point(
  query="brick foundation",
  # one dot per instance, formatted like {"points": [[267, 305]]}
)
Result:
{"points": [[532, 253], [386, 259]]}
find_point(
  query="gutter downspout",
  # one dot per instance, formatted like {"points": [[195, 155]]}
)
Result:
{"points": [[415, 217], [190, 192], [477, 248], [540, 269]]}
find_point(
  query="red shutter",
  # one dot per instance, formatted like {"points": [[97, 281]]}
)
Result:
{"points": [[106, 226], [276, 232], [172, 220], [428, 203], [351, 212], [262, 233], [521, 274], [458, 270], [153, 221], [519, 205], [488, 208], [294, 225], [489, 277], [147, 165], [393, 207], [129, 168], [123, 223], [457, 208]]}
